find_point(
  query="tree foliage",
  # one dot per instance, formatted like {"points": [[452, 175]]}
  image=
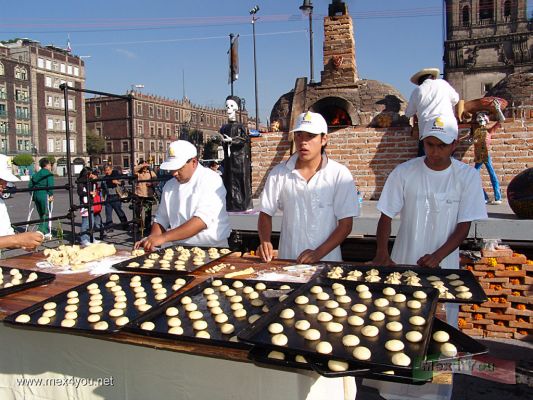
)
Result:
{"points": [[23, 160], [95, 143]]}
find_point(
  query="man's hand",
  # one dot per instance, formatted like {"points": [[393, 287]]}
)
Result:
{"points": [[29, 240], [383, 260], [151, 242], [429, 260], [226, 139], [50, 198], [308, 256], [266, 251]]}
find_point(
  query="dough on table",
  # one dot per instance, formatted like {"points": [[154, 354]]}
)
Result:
{"points": [[171, 311], [464, 295], [221, 318], [337, 366], [280, 339], [121, 321], [43, 321], [144, 307], [401, 359], [71, 307], [176, 330], [457, 283], [324, 317], [213, 303], [388, 291], [394, 326], [275, 328], [350, 340], [253, 318], [191, 307], [227, 329], [260, 286], [394, 345], [376, 316], [365, 295], [203, 335], [94, 318], [334, 327], [362, 353], [230, 292], [312, 334], [148, 326], [370, 331], [101, 326], [72, 294], [414, 304], [195, 315], [324, 348], [448, 349], [392, 311], [355, 320], [238, 284], [68, 323], [199, 325], [359, 308], [322, 296], [49, 306], [339, 291], [413, 336], [311, 309], [240, 313], [49, 313], [344, 299], [71, 315], [287, 313], [211, 297], [331, 304], [441, 336], [302, 325], [339, 312], [174, 321], [116, 312], [301, 300], [452, 276], [316, 289], [399, 298], [417, 320], [420, 295], [381, 302]]}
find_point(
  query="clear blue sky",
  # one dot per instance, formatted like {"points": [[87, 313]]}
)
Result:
{"points": [[154, 42]]}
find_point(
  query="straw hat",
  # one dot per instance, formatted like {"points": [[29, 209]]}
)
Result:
{"points": [[426, 71]]}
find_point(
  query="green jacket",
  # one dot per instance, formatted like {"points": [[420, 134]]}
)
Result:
{"points": [[43, 178]]}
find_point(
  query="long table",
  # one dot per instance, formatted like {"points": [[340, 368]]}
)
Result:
{"points": [[36, 364]]}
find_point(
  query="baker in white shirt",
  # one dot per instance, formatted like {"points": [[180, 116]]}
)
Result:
{"points": [[432, 98], [317, 196], [192, 210], [8, 238]]}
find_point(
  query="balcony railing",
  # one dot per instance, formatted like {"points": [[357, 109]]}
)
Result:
{"points": [[22, 132], [22, 115]]}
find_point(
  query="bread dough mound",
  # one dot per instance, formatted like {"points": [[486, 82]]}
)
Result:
{"points": [[350, 340], [121, 321], [388, 291], [240, 313], [301, 359], [195, 315], [148, 326], [287, 313], [344, 299], [376, 316], [365, 295], [280, 339], [324, 317], [316, 289], [370, 331], [464, 295], [101, 326], [394, 345], [68, 323], [199, 325], [324, 348], [413, 336], [237, 284], [362, 288], [191, 307], [456, 283], [399, 298], [302, 325], [176, 330], [43, 321], [337, 366], [448, 349], [339, 312], [420, 295], [92, 318], [312, 334], [253, 318], [322, 296], [275, 328], [401, 359], [301, 300], [311, 309], [203, 335], [452, 276], [414, 304], [334, 327], [362, 353], [227, 329], [381, 302], [392, 311], [417, 320], [221, 318], [276, 355], [394, 326], [359, 308], [339, 291], [355, 320], [174, 321], [441, 336], [49, 306]]}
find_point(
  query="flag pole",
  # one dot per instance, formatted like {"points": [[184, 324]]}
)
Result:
{"points": [[231, 36]]}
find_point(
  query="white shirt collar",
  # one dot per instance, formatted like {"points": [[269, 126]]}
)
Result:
{"points": [[290, 164]]}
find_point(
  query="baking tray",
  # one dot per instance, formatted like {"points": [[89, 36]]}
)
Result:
{"points": [[260, 356], [258, 334], [196, 294], [160, 268], [470, 281], [108, 300], [42, 278]]}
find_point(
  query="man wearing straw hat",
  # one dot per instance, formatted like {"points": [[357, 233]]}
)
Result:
{"points": [[8, 238], [432, 98]]}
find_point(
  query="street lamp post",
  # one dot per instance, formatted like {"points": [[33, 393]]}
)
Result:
{"points": [[307, 9], [253, 13]]}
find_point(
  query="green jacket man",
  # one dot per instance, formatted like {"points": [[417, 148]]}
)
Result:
{"points": [[43, 198]]}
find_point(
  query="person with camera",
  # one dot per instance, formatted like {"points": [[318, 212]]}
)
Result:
{"points": [[111, 189], [144, 190]]}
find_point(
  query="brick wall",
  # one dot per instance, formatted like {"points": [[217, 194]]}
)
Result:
{"points": [[372, 153]]}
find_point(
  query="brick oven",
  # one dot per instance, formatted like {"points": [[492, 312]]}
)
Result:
{"points": [[342, 97]]}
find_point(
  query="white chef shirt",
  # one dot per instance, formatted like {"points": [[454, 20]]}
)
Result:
{"points": [[431, 204], [204, 196], [5, 221], [433, 98], [310, 209]]}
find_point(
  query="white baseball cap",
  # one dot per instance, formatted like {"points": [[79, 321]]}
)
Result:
{"points": [[179, 152], [5, 170], [443, 128], [312, 123]]}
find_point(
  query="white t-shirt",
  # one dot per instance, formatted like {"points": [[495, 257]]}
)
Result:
{"points": [[204, 196], [5, 221], [431, 204], [433, 98], [310, 209]]}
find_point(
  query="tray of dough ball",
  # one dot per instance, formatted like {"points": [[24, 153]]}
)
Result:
{"points": [[172, 260], [446, 347], [14, 279], [213, 312], [454, 286], [104, 304], [374, 324]]}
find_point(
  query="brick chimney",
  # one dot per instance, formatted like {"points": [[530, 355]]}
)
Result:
{"points": [[340, 68]]}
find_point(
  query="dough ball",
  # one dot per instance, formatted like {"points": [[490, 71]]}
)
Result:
{"points": [[101, 326], [365, 295], [331, 304], [116, 312], [359, 308], [376, 316], [195, 315], [171, 312], [230, 292], [94, 303], [344, 299], [174, 321], [276, 355], [216, 310], [370, 331], [72, 294], [324, 317], [350, 340], [287, 313], [316, 289], [441, 336], [213, 303], [237, 284], [144, 307], [413, 336], [121, 321], [221, 318], [280, 339], [139, 302], [452, 276], [417, 320], [186, 300], [388, 291], [247, 289], [362, 288], [240, 313], [381, 302], [176, 330], [339, 291], [312, 334], [324, 348], [300, 359], [191, 307], [114, 277], [464, 295], [394, 326], [50, 306], [334, 327], [203, 335], [275, 328], [399, 298], [392, 311], [71, 307], [96, 297], [339, 312], [355, 320], [94, 318], [394, 345], [311, 309], [43, 321], [148, 326], [401, 359], [208, 291], [414, 304], [362, 353], [420, 295], [253, 318], [68, 323], [302, 325], [211, 297], [199, 325], [337, 366], [322, 296], [96, 309], [456, 283], [217, 283], [73, 300], [432, 278], [260, 286], [253, 296], [71, 315], [92, 286], [301, 300], [227, 329], [49, 313], [448, 349]]}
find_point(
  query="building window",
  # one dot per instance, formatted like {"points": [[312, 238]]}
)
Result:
{"points": [[21, 73], [159, 113], [3, 93], [108, 147], [487, 86], [20, 145], [40, 62], [486, 11], [167, 113], [98, 110], [48, 81], [70, 103], [125, 162], [160, 146], [159, 131], [139, 128], [177, 130], [125, 145], [141, 145], [151, 111], [177, 115], [48, 65], [507, 10], [62, 68], [99, 131], [69, 69], [168, 132], [139, 109], [50, 124], [152, 146], [76, 71], [2, 70], [51, 146], [152, 129]]}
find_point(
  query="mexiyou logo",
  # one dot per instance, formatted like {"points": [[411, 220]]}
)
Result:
{"points": [[438, 125]]}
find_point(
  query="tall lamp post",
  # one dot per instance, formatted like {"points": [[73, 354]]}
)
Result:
{"points": [[307, 9], [253, 13]]}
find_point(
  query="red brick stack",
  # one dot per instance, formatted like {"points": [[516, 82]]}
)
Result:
{"points": [[507, 279]]}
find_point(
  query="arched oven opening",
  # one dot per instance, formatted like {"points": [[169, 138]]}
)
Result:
{"points": [[334, 110]]}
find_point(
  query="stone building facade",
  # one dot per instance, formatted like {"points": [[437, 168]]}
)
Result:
{"points": [[156, 122], [32, 107], [486, 40]]}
